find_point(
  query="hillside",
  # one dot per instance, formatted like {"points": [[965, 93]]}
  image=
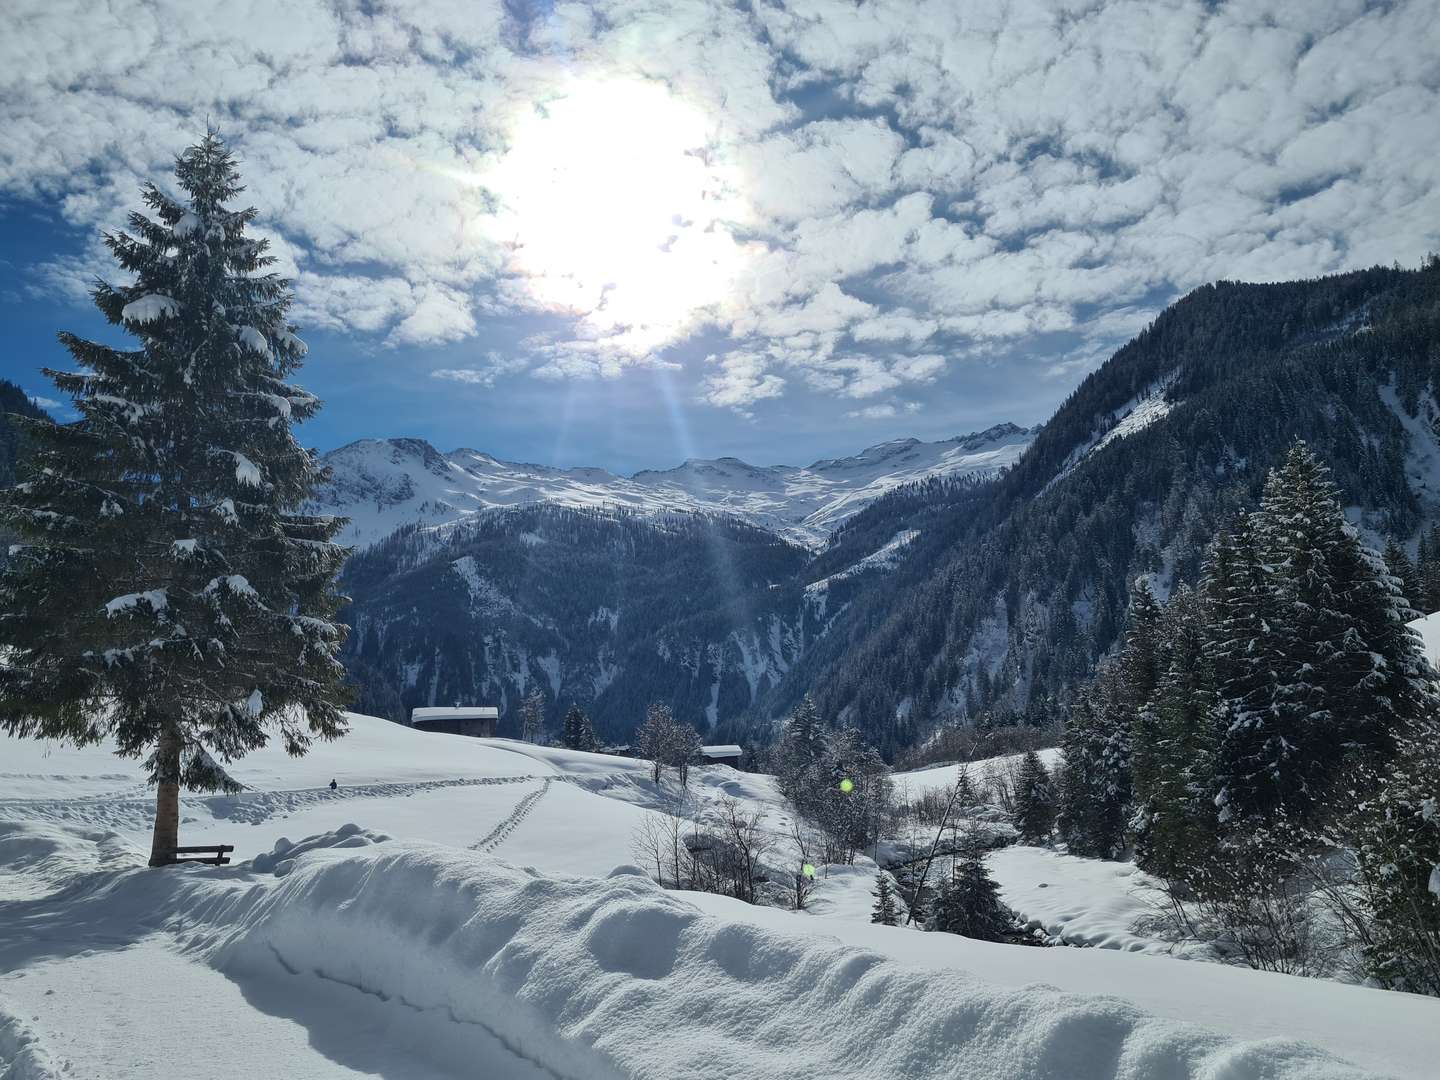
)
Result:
{"points": [[463, 905], [1013, 590], [612, 609]]}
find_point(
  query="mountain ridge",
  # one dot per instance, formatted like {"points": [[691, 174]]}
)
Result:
{"points": [[383, 484]]}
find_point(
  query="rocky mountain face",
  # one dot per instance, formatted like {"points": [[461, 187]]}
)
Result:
{"points": [[949, 588]]}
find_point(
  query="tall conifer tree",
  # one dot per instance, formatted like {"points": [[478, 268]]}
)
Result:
{"points": [[169, 594]]}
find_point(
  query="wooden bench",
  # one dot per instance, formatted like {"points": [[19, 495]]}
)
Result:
{"points": [[214, 854]]}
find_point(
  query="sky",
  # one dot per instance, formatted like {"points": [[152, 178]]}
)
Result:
{"points": [[630, 232]]}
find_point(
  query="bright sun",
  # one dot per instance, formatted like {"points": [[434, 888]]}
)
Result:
{"points": [[613, 210]]}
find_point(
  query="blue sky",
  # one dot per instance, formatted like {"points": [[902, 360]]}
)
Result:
{"points": [[625, 233]]}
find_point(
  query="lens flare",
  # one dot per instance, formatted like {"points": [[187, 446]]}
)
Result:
{"points": [[614, 207]]}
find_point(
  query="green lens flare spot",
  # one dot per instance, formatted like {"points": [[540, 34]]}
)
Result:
{"points": [[808, 870], [847, 786]]}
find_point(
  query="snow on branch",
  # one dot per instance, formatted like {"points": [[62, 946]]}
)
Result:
{"points": [[157, 599], [253, 340], [150, 308]]}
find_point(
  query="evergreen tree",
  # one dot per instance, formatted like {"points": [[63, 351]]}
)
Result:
{"points": [[576, 732], [1174, 823], [884, 911], [1034, 800], [169, 594], [1428, 570], [1398, 849], [799, 757], [1092, 799], [1268, 754], [969, 904], [1332, 671], [1405, 571], [532, 716]]}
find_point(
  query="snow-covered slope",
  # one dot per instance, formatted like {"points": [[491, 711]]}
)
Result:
{"points": [[418, 947], [381, 484]]}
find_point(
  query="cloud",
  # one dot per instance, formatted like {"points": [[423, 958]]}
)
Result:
{"points": [[495, 365], [864, 199], [741, 381]]}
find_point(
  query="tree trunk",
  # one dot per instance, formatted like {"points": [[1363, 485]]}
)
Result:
{"points": [[167, 801]]}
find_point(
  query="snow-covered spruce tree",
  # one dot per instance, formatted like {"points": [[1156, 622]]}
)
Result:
{"points": [[1402, 568], [532, 716], [1397, 834], [168, 593], [1333, 673], [1034, 800], [799, 759], [884, 912], [1092, 799], [969, 904], [1174, 822], [576, 732]]}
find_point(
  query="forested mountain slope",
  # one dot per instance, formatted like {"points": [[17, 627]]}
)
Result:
{"points": [[1014, 589], [946, 598], [607, 608]]}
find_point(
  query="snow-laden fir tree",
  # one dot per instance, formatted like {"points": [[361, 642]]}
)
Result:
{"points": [[1174, 821], [168, 593], [1093, 797], [1331, 675], [576, 731], [969, 903], [799, 759], [1400, 566], [884, 912], [1034, 800], [1397, 841]]}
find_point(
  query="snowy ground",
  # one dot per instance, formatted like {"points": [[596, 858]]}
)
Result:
{"points": [[482, 922]]}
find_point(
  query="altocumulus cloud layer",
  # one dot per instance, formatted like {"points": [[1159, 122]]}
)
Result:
{"points": [[865, 194]]}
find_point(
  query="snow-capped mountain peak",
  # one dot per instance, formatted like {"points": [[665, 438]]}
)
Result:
{"points": [[381, 484]]}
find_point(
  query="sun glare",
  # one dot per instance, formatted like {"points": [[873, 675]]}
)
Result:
{"points": [[612, 209]]}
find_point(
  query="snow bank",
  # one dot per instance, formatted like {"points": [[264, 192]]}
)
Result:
{"points": [[613, 978], [280, 859], [39, 859], [22, 1055]]}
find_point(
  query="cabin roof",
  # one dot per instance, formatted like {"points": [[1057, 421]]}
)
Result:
{"points": [[459, 712]]}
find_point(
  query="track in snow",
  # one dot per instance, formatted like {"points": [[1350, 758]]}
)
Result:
{"points": [[249, 807], [511, 821]]}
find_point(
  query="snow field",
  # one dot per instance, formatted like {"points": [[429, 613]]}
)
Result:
{"points": [[399, 935], [594, 978]]}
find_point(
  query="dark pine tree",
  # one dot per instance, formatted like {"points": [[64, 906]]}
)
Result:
{"points": [[1092, 799], [1174, 821], [1034, 800], [969, 904], [169, 594], [1405, 571], [576, 732], [884, 911]]}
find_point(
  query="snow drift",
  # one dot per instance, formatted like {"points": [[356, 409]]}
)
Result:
{"points": [[616, 978]]}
